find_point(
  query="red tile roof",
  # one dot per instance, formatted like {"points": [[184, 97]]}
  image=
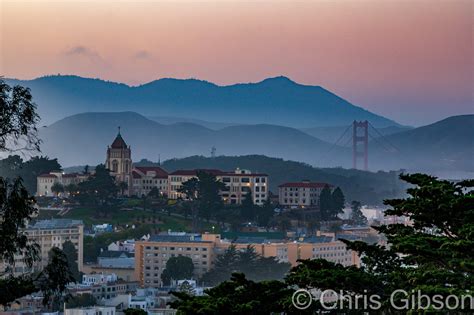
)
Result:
{"points": [[48, 175], [160, 173], [305, 185], [118, 143], [214, 172]]}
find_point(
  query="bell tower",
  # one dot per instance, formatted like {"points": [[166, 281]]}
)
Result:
{"points": [[119, 162]]}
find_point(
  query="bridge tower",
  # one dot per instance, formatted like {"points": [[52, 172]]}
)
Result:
{"points": [[360, 138]]}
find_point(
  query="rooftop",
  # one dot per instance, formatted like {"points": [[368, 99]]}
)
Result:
{"points": [[186, 238], [55, 224], [305, 185]]}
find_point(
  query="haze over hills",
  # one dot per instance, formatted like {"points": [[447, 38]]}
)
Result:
{"points": [[276, 101], [82, 139]]}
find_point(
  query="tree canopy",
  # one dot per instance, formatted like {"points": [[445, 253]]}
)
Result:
{"points": [[432, 256], [177, 268]]}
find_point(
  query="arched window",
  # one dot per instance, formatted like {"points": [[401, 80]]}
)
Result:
{"points": [[114, 166]]}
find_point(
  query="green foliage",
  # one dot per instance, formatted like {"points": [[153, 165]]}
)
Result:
{"points": [[100, 191], [81, 300], [203, 193], [57, 188], [248, 209], [337, 203], [236, 296], [177, 268], [368, 187], [134, 311], [433, 256], [18, 128], [13, 166], [254, 266], [325, 203], [18, 119], [357, 217], [71, 254]]}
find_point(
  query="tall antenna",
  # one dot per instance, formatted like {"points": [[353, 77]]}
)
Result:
{"points": [[213, 152]]}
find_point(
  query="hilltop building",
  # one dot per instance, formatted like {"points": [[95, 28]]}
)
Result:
{"points": [[141, 180], [238, 184], [300, 194]]}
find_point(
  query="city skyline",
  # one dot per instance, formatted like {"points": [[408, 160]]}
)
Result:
{"points": [[408, 61]]}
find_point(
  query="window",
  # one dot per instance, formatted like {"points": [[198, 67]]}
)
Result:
{"points": [[245, 180]]}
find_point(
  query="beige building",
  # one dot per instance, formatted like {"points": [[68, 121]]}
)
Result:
{"points": [[44, 182], [151, 256], [145, 178], [48, 234], [300, 194], [238, 183]]}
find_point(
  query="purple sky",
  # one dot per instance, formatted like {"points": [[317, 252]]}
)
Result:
{"points": [[408, 60]]}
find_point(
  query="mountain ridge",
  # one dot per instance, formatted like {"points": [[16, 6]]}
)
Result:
{"points": [[277, 100]]}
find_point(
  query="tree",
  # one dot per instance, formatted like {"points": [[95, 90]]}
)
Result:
{"points": [[210, 202], [265, 213], [247, 261], [99, 191], [71, 189], [134, 311], [57, 188], [337, 203], [18, 127], [122, 186], [177, 268], [432, 257], [71, 254], [81, 300], [247, 207], [325, 203], [187, 288], [236, 296], [18, 119], [357, 216]]}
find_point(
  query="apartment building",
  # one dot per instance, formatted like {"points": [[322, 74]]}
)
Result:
{"points": [[44, 182], [145, 178], [152, 255], [300, 194], [238, 184], [48, 234]]}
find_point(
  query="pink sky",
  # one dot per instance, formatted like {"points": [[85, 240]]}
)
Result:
{"points": [[407, 60]]}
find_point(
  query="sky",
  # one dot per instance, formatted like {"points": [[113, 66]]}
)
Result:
{"points": [[411, 61]]}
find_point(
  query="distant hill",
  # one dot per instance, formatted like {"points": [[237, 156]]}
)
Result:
{"points": [[169, 120], [83, 138], [445, 145], [367, 187], [276, 101]]}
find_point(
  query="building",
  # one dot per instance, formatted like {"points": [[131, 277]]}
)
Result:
{"points": [[300, 194], [91, 310], [145, 178], [44, 182], [48, 234], [116, 259], [125, 246], [238, 184], [98, 278], [119, 162], [151, 255]]}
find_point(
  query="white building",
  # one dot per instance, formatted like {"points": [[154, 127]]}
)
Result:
{"points": [[237, 183], [98, 278], [92, 310], [300, 194], [145, 178], [123, 246], [44, 182]]}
